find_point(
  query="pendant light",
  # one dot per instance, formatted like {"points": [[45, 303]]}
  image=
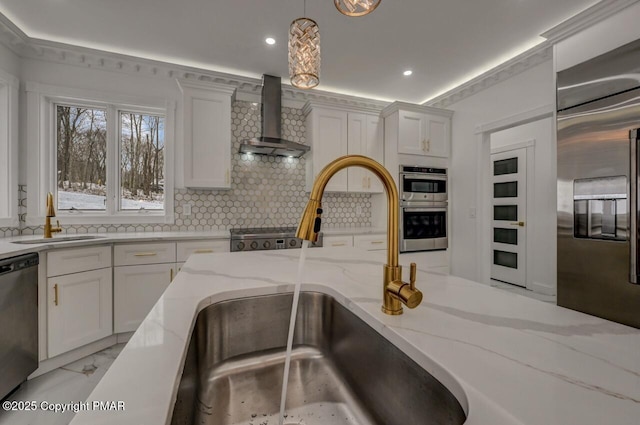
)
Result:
{"points": [[356, 7], [304, 53]]}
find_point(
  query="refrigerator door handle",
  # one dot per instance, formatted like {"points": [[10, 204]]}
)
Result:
{"points": [[634, 139]]}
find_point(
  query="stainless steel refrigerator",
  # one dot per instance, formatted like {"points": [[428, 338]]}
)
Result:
{"points": [[598, 122]]}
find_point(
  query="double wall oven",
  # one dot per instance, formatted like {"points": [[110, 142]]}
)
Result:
{"points": [[423, 208]]}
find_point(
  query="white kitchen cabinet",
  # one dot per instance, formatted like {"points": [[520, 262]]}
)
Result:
{"points": [[334, 132], [337, 240], [141, 274], [206, 123], [365, 137], [144, 253], [370, 242], [79, 309], [135, 291], [418, 130], [185, 249]]}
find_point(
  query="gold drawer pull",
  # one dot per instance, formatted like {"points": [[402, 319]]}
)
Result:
{"points": [[146, 254], [519, 223], [203, 251], [171, 276], [376, 242], [55, 294], [338, 244]]}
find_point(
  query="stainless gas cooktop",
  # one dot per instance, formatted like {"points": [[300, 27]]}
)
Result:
{"points": [[265, 238]]}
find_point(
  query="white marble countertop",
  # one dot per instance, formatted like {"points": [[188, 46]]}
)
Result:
{"points": [[10, 249], [509, 359]]}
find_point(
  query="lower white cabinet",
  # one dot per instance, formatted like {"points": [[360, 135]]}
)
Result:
{"points": [[370, 242], [79, 309], [337, 240], [135, 291]]}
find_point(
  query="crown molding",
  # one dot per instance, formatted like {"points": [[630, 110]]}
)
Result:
{"points": [[247, 88], [588, 17], [514, 66], [12, 37], [423, 109]]}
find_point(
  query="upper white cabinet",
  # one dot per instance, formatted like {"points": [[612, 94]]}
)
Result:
{"points": [[334, 132], [418, 130], [206, 123]]}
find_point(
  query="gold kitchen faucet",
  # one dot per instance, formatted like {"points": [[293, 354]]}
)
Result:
{"points": [[51, 212], [395, 292]]}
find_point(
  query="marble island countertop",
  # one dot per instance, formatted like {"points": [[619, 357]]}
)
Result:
{"points": [[507, 358]]}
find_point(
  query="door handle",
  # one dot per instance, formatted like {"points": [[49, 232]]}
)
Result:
{"points": [[55, 294], [519, 223], [171, 276]]}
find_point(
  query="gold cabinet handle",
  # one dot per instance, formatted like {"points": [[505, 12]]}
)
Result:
{"points": [[171, 275], [55, 294], [146, 254], [376, 242], [519, 223], [203, 251], [338, 244]]}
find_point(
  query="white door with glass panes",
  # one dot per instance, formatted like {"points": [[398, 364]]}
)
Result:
{"points": [[509, 209]]}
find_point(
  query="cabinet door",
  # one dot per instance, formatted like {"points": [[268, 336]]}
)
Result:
{"points": [[185, 249], [79, 309], [412, 133], [207, 136], [438, 136], [329, 141], [135, 291], [357, 143], [374, 148]]}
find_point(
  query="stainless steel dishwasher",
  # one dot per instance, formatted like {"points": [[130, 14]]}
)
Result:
{"points": [[18, 320]]}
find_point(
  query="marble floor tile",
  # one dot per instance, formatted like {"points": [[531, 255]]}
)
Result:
{"points": [[71, 383]]}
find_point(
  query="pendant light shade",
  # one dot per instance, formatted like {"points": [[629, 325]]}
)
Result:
{"points": [[356, 7], [304, 53]]}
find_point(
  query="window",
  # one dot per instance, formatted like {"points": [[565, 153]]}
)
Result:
{"points": [[106, 159]]}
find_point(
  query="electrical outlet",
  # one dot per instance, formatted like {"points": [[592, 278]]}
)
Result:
{"points": [[186, 210]]}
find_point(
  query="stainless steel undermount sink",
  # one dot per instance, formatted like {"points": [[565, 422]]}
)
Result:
{"points": [[342, 370], [56, 240]]}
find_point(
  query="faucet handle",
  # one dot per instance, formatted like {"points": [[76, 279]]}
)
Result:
{"points": [[412, 276]]}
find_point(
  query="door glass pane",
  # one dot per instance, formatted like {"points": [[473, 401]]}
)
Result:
{"points": [[81, 135], [505, 190], [505, 166], [505, 259], [505, 212], [509, 236]]}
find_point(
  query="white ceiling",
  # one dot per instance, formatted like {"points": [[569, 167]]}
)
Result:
{"points": [[444, 42]]}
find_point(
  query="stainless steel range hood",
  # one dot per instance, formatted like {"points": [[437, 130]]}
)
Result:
{"points": [[271, 143]]}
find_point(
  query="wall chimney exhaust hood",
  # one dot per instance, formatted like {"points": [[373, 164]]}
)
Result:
{"points": [[271, 143]]}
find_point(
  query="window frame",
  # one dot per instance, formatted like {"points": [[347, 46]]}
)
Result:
{"points": [[41, 106], [9, 88]]}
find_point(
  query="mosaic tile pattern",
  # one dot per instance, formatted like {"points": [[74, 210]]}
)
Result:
{"points": [[266, 191]]}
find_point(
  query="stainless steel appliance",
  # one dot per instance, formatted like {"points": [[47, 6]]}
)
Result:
{"points": [[423, 208], [598, 118], [266, 238], [18, 320], [423, 184]]}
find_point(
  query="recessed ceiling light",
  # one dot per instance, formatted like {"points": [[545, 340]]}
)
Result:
{"points": [[270, 41], [407, 72]]}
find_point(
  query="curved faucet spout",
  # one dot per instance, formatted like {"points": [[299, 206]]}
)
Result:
{"points": [[395, 291]]}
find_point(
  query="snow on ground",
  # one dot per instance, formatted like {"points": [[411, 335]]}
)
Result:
{"points": [[85, 201]]}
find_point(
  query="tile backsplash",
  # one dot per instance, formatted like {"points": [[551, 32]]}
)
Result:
{"points": [[266, 191]]}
